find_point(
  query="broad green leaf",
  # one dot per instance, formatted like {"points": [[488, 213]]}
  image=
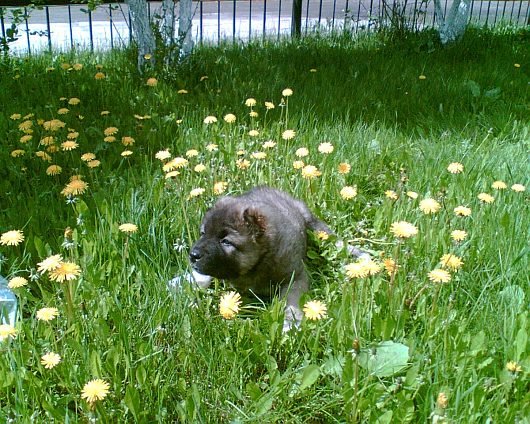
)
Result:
{"points": [[385, 359], [513, 297], [309, 376]]}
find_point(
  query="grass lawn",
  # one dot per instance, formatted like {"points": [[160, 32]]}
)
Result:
{"points": [[416, 152]]}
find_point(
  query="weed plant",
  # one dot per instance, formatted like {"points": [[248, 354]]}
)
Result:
{"points": [[105, 176]]}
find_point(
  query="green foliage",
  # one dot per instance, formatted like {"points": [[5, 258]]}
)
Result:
{"points": [[393, 347]]}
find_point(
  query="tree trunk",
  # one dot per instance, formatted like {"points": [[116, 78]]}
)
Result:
{"points": [[452, 26], [185, 25], [142, 32], [167, 26]]}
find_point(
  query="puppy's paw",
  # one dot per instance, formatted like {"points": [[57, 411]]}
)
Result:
{"points": [[353, 251], [293, 318]]}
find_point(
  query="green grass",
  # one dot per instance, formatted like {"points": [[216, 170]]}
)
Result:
{"points": [[167, 354]]}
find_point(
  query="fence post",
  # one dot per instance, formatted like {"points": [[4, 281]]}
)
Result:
{"points": [[296, 19]]}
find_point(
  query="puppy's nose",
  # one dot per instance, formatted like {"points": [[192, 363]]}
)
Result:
{"points": [[195, 255]]}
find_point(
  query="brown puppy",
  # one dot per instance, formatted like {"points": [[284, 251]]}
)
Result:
{"points": [[258, 242]]}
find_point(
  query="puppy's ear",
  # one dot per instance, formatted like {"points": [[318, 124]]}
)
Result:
{"points": [[255, 222]]}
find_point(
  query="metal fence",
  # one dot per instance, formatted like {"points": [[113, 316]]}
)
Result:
{"points": [[74, 26]]}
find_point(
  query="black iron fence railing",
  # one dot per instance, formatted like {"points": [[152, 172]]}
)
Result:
{"points": [[75, 26]]}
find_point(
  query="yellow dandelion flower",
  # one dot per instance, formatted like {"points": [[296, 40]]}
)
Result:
{"points": [[315, 310], [253, 114], [50, 360], [253, 133], [72, 135], [325, 148], [17, 282], [212, 147], [313, 70], [269, 144], [344, 168], [422, 77], [74, 101], [12, 238], [439, 275], [66, 271], [298, 164], [127, 141], [391, 194], [87, 157], [49, 264], [25, 126], [348, 192], [63, 111], [95, 390], [229, 304], [99, 76], [390, 265], [458, 235], [412, 194], [74, 188], [286, 92], [47, 314], [182, 91], [258, 155], [288, 134], [44, 156], [428, 206], [163, 155], [47, 141], [455, 168], [53, 125], [518, 188], [52, 149], [250, 102], [151, 82], [442, 401], [322, 235], [301, 152], [171, 174], [200, 167], [371, 267], [403, 229], [196, 192], [25, 138], [243, 163], [18, 152], [462, 211], [513, 366], [109, 139], [210, 120], [54, 170], [310, 172], [220, 187], [486, 198], [451, 261], [356, 270], [15, 116], [499, 185], [230, 118], [7, 331], [77, 66], [126, 153], [269, 105], [110, 131], [104, 113], [128, 228]]}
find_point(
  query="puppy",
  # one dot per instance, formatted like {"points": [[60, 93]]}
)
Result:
{"points": [[258, 242]]}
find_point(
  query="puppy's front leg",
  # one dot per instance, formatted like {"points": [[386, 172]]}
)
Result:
{"points": [[292, 293]]}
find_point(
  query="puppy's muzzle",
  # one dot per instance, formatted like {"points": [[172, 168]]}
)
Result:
{"points": [[195, 255]]}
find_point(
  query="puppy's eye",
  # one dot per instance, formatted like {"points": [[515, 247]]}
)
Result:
{"points": [[226, 243]]}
